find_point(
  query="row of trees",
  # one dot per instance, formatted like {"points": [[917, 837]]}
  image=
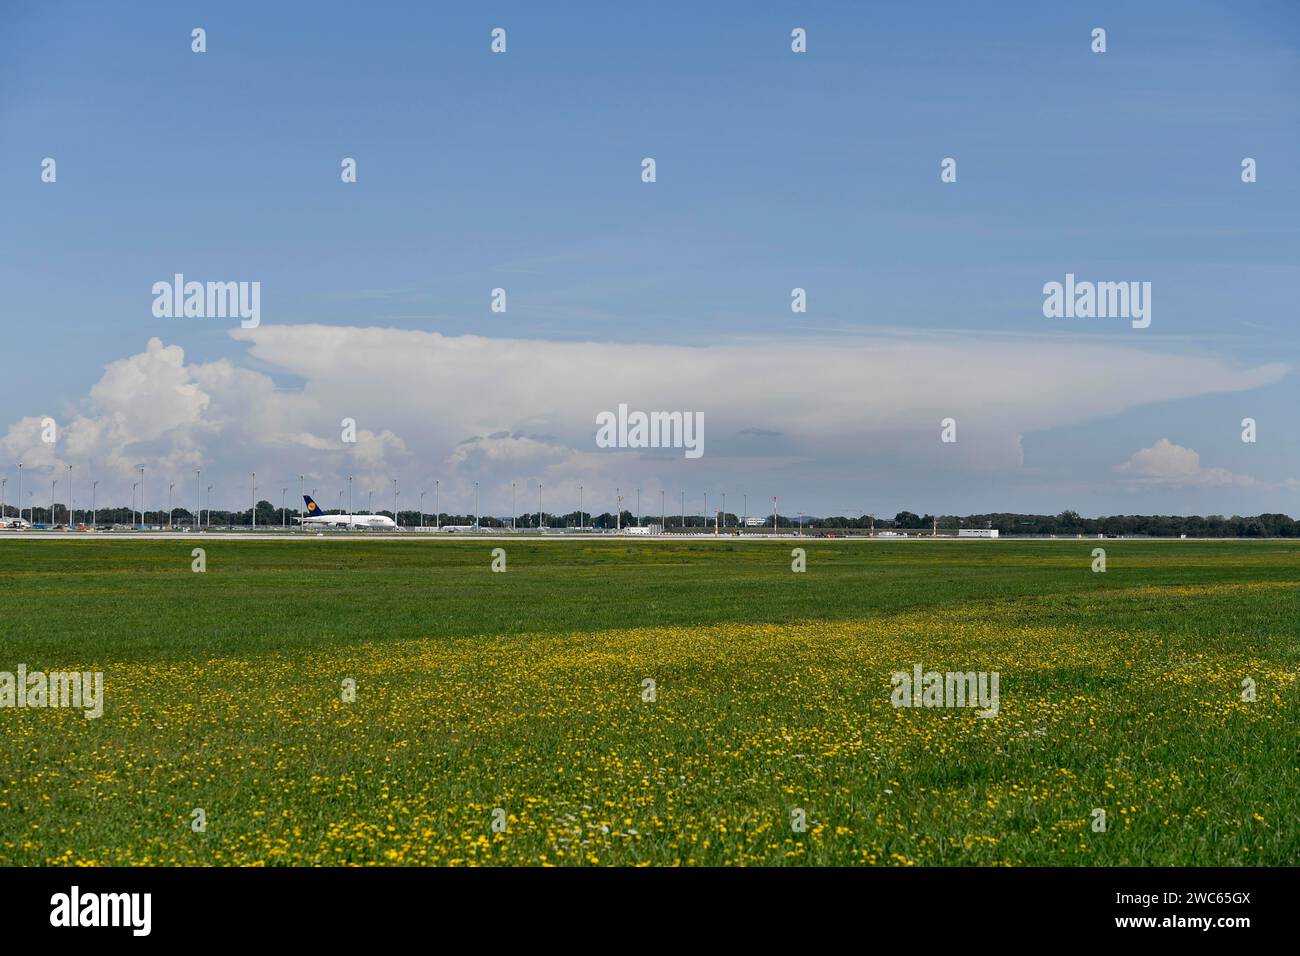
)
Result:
{"points": [[1067, 523]]}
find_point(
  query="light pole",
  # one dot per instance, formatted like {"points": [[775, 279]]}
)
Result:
{"points": [[302, 503], [724, 514], [94, 522], [476, 527], [53, 484], [142, 496], [683, 511], [663, 512], [745, 517], [539, 507], [349, 502], [437, 507], [774, 514], [20, 492], [514, 506], [704, 516], [422, 494], [134, 486], [3, 515], [284, 515], [581, 523], [638, 507], [209, 506], [171, 512], [618, 508], [70, 514], [198, 498], [253, 475], [395, 521], [370, 502]]}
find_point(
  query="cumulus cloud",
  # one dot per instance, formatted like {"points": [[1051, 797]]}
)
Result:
{"points": [[494, 410], [1174, 466]]}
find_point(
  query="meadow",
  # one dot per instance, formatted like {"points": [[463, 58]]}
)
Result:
{"points": [[521, 698]]}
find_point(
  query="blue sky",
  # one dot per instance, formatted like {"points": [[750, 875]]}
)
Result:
{"points": [[775, 170]]}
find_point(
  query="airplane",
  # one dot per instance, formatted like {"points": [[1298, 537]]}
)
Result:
{"points": [[318, 519], [15, 523]]}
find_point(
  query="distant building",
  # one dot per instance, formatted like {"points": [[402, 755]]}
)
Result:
{"points": [[977, 533]]}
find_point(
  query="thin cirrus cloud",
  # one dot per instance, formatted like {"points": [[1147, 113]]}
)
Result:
{"points": [[497, 410]]}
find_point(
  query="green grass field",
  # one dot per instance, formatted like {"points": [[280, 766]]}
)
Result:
{"points": [[523, 692]]}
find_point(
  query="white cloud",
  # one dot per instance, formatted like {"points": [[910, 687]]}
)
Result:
{"points": [[471, 408], [1167, 464]]}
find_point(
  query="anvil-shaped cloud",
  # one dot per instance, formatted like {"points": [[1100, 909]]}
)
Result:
{"points": [[494, 410]]}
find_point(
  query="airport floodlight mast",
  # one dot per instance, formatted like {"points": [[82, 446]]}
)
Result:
{"points": [[253, 476], [284, 515], [198, 498], [209, 506], [724, 514], [638, 507], [134, 486], [774, 514], [683, 511], [94, 515], [3, 482], [618, 510], [72, 519], [141, 467], [171, 512], [539, 507], [301, 504], [476, 527], [745, 509], [704, 515], [514, 506], [580, 521], [663, 512], [349, 524], [422, 494], [20, 492], [437, 507], [53, 484], [370, 502], [395, 501]]}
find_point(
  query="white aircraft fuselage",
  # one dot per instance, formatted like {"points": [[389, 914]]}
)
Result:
{"points": [[364, 522]]}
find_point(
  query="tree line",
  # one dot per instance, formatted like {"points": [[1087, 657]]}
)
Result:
{"points": [[1067, 523]]}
